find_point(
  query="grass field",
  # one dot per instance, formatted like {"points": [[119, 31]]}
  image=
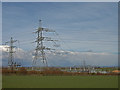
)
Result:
{"points": [[14, 81]]}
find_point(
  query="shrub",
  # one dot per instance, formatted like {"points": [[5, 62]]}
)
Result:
{"points": [[22, 70]]}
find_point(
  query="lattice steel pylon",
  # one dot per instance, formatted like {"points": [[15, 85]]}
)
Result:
{"points": [[40, 48], [11, 62]]}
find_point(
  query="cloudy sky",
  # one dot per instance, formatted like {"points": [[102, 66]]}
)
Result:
{"points": [[81, 26]]}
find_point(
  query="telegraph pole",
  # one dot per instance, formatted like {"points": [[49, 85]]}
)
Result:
{"points": [[84, 65], [40, 48], [11, 62]]}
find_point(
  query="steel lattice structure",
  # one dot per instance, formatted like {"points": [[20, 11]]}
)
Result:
{"points": [[11, 62], [40, 48]]}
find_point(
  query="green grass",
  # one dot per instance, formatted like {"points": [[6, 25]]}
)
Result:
{"points": [[14, 81]]}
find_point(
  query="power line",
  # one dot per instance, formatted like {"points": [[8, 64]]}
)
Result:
{"points": [[63, 41]]}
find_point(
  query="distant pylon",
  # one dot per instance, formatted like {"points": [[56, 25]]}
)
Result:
{"points": [[11, 62], [40, 48]]}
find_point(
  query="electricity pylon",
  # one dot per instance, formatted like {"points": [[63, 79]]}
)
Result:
{"points": [[40, 48], [11, 62]]}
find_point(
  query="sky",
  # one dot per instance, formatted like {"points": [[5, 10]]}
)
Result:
{"points": [[62, 58], [82, 26], [60, 1]]}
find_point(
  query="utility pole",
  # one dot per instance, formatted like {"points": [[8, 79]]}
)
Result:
{"points": [[40, 48], [84, 65], [11, 62]]}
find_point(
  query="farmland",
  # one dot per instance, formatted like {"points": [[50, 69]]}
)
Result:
{"points": [[37, 81]]}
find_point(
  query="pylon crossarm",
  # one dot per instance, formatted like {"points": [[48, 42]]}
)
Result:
{"points": [[48, 30]]}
